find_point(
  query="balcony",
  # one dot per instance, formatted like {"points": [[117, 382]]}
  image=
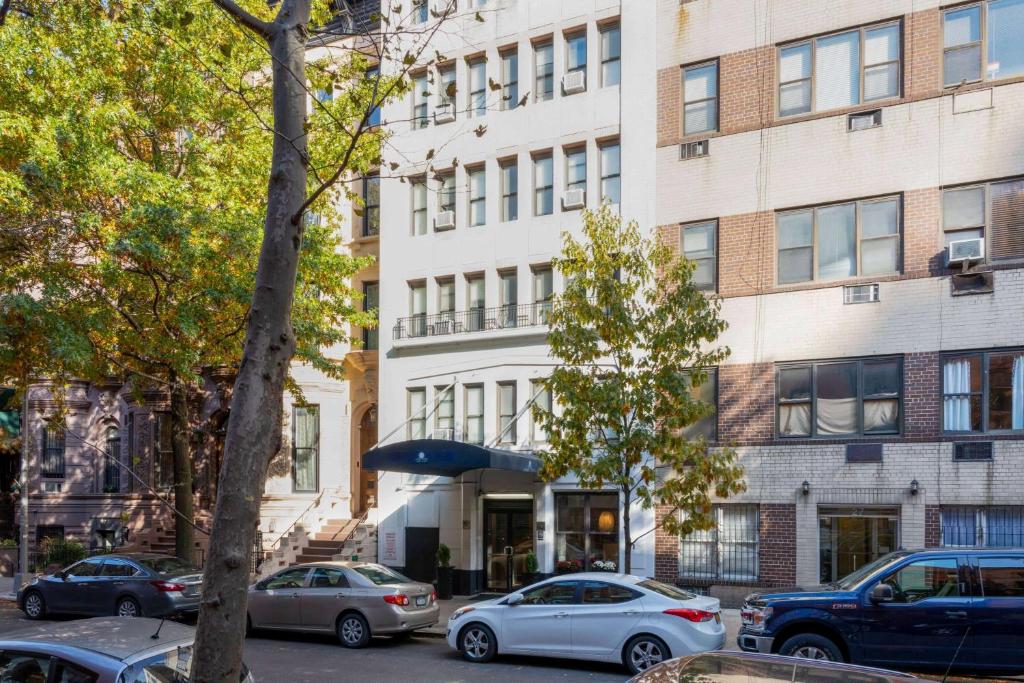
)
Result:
{"points": [[453, 323]]}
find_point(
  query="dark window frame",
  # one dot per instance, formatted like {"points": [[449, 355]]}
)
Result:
{"points": [[315, 448], [985, 356], [54, 452], [371, 336], [725, 548], [160, 477], [587, 530], [371, 227]]}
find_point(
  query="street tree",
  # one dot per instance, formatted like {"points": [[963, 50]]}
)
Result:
{"points": [[634, 337]]}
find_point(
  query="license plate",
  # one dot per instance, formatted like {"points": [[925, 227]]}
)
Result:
{"points": [[421, 601], [718, 617], [192, 590]]}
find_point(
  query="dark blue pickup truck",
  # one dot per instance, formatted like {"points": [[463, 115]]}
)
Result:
{"points": [[918, 610]]}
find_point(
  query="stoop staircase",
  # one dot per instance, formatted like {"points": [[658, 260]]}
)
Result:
{"points": [[336, 539]]}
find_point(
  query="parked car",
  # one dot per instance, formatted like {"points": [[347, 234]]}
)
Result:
{"points": [[912, 610], [599, 616], [128, 585], [355, 600], [728, 667], [101, 650]]}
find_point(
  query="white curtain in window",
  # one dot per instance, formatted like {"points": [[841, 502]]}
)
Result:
{"points": [[795, 420], [1018, 393], [837, 416], [881, 415], [956, 409], [837, 71]]}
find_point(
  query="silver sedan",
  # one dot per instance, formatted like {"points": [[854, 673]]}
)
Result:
{"points": [[355, 600]]}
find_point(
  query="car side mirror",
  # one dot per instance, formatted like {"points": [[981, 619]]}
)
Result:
{"points": [[514, 599], [882, 592]]}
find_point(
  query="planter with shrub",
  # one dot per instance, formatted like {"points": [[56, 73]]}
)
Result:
{"points": [[444, 572]]}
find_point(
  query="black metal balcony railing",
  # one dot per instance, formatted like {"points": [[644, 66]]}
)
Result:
{"points": [[506, 317]]}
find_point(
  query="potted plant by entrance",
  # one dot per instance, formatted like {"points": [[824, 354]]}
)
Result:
{"points": [[444, 572], [531, 575], [568, 566]]}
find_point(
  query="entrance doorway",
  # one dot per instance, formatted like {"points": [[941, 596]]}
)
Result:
{"points": [[849, 538], [508, 539], [367, 479]]}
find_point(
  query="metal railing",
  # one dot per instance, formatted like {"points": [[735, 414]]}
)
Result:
{"points": [[510, 316], [257, 554], [728, 552], [988, 527]]}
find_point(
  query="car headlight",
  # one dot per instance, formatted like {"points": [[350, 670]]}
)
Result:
{"points": [[754, 617], [459, 612]]}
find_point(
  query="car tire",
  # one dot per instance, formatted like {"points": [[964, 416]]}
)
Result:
{"points": [[477, 643], [353, 631], [128, 607], [812, 646], [643, 652], [248, 625], [34, 605]]}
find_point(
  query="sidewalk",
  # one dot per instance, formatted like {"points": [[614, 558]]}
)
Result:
{"points": [[7, 588]]}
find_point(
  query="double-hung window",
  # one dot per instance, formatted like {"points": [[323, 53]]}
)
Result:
{"points": [[611, 55], [706, 392], [372, 76], [163, 451], [418, 308], [727, 551], [700, 98], [542, 402], [576, 169], [611, 173], [420, 11], [507, 412], [510, 78], [446, 192], [700, 246], [446, 299], [447, 89], [839, 241], [544, 70], [982, 41], [419, 205], [840, 70], [478, 87], [543, 293], [371, 205], [994, 211], [576, 53], [983, 392], [371, 302], [509, 190], [477, 195], [305, 448], [416, 407], [444, 418], [840, 398], [508, 292], [475, 414], [420, 103], [543, 185], [475, 302], [53, 452]]}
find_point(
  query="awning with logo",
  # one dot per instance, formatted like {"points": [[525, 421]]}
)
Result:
{"points": [[445, 458]]}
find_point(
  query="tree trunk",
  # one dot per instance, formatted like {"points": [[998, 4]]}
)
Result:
{"points": [[183, 500], [254, 425], [627, 550]]}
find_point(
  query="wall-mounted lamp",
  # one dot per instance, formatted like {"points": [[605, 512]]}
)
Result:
{"points": [[806, 488], [913, 487]]}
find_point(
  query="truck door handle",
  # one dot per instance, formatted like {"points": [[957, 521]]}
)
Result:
{"points": [[956, 615], [559, 615]]}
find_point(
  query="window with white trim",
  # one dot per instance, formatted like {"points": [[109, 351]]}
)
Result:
{"points": [[611, 55], [700, 98], [700, 246], [416, 407], [477, 178]]}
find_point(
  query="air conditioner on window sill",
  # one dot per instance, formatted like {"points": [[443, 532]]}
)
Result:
{"points": [[574, 199], [962, 252], [574, 82], [444, 220], [445, 113]]}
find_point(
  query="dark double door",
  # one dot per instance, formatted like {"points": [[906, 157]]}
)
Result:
{"points": [[508, 540]]}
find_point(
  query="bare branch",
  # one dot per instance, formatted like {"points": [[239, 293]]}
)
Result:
{"points": [[247, 20]]}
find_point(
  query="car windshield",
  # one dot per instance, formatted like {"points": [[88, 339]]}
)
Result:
{"points": [[852, 580], [172, 666], [381, 575], [167, 565], [666, 590]]}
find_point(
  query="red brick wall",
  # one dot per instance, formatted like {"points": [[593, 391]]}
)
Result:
{"points": [[746, 403], [670, 119], [932, 526], [777, 544], [922, 245], [921, 395], [666, 549], [746, 253], [922, 45], [747, 97]]}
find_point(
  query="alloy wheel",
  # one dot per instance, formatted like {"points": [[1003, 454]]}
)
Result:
{"points": [[811, 652], [34, 605], [645, 654], [351, 630], [476, 643], [127, 608]]}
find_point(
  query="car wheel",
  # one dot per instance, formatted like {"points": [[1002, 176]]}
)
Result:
{"points": [[811, 646], [643, 652], [353, 631], [248, 625], [478, 643], [128, 607], [34, 605]]}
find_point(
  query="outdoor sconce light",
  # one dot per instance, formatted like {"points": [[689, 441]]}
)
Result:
{"points": [[806, 487], [913, 487]]}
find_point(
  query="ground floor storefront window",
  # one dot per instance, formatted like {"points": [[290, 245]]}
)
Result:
{"points": [[586, 532], [987, 527], [849, 538]]}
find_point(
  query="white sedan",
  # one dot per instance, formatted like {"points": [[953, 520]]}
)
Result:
{"points": [[605, 617]]}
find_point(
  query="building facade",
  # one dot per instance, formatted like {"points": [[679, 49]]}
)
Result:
{"points": [[850, 175]]}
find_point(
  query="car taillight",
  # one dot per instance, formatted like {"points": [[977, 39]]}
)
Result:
{"points": [[168, 586], [694, 615], [433, 596], [398, 599]]}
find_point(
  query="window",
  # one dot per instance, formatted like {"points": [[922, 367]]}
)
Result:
{"points": [[700, 98], [163, 450], [420, 11], [576, 53], [510, 79], [416, 405], [542, 400], [328, 578], [726, 552], [507, 413], [113, 567], [611, 55], [475, 301], [600, 593], [508, 286], [509, 190], [446, 298], [478, 87], [446, 192], [444, 418], [371, 302], [130, 456], [994, 211], [840, 70], [53, 452], [475, 414], [418, 308], [25, 666], [934, 578], [839, 241], [983, 392], [974, 53], [700, 246], [707, 392], [306, 448], [611, 170], [586, 530], [543, 185], [112, 461], [448, 89], [576, 169], [45, 531], [844, 398], [291, 578], [558, 593], [544, 70], [372, 74], [419, 101], [477, 196], [371, 205], [984, 527], [543, 293], [419, 206], [1002, 577]]}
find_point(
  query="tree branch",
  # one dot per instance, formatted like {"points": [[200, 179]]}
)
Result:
{"points": [[244, 18], [4, 9]]}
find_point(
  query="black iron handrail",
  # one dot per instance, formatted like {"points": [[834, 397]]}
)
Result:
{"points": [[509, 316]]}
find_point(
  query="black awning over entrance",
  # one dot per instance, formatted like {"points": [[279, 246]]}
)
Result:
{"points": [[445, 458]]}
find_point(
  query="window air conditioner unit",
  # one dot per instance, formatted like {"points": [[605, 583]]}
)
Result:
{"points": [[694, 150], [860, 294], [574, 199], [444, 220], [965, 251], [443, 434], [574, 82], [864, 120], [445, 113]]}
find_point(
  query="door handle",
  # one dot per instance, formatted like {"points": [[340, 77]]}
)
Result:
{"points": [[295, 595], [631, 613], [956, 615], [559, 615]]}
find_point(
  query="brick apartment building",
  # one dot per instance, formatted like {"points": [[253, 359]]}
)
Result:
{"points": [[818, 159]]}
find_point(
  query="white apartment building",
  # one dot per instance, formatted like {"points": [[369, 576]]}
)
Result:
{"points": [[551, 110]]}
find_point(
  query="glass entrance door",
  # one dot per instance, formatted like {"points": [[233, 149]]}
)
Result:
{"points": [[508, 539], [851, 538]]}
